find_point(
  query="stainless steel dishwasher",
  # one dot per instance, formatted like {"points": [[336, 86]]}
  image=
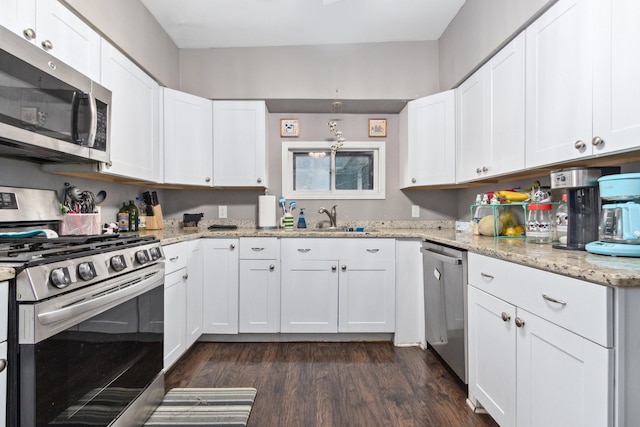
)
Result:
{"points": [[445, 302]]}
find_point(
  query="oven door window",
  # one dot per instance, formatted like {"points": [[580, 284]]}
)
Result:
{"points": [[89, 373]]}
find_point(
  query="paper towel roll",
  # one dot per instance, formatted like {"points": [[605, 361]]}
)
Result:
{"points": [[266, 211]]}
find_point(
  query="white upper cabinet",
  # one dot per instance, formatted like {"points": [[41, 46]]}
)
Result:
{"points": [[54, 28], [616, 87], [135, 147], [239, 144], [188, 138], [491, 117], [559, 81], [427, 141]]}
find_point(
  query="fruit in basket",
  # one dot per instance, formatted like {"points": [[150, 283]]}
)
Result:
{"points": [[486, 226], [518, 230], [511, 196]]}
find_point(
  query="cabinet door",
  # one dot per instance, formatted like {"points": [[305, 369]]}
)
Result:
{"points": [[239, 143], [309, 296], [563, 378], [19, 16], [559, 84], [259, 296], [188, 138], [220, 286], [367, 295], [430, 146], [175, 307], [616, 115], [472, 155], [505, 90], [135, 151], [65, 36], [195, 283], [492, 355]]}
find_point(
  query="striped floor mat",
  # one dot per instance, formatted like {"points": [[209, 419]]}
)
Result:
{"points": [[204, 407]]}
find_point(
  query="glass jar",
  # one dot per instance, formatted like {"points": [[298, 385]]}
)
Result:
{"points": [[539, 227]]}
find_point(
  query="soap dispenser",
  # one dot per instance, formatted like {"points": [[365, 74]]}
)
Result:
{"points": [[301, 221]]}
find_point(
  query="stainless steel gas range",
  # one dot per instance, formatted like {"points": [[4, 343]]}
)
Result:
{"points": [[86, 319]]}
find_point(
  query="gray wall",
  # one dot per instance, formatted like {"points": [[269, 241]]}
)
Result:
{"points": [[435, 204], [130, 26], [480, 28], [358, 71]]}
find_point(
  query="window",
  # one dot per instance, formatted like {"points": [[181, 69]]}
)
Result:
{"points": [[311, 170]]}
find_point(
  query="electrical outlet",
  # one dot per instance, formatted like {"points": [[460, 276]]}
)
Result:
{"points": [[222, 212], [415, 211]]}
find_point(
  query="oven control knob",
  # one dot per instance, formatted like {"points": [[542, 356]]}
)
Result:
{"points": [[142, 257], [156, 253], [118, 263], [86, 271], [60, 277]]}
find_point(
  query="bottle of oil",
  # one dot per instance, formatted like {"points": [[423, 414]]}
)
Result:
{"points": [[133, 216], [123, 218]]}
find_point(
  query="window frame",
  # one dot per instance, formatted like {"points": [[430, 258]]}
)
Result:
{"points": [[379, 162]]}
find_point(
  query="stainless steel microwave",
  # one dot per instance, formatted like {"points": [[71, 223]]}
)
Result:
{"points": [[49, 112]]}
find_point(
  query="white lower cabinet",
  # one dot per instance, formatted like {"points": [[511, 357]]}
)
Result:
{"points": [[175, 314], [530, 363], [259, 285], [220, 303], [195, 290], [338, 285]]}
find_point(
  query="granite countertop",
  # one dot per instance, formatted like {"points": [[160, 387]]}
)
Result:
{"points": [[600, 269], [7, 273]]}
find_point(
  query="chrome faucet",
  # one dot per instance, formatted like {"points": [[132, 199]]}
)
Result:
{"points": [[333, 223]]}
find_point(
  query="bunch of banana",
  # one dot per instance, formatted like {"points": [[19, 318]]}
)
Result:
{"points": [[511, 196]]}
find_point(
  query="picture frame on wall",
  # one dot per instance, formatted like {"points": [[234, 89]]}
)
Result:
{"points": [[377, 128], [289, 128]]}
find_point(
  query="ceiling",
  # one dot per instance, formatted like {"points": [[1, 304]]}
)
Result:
{"points": [[201, 24]]}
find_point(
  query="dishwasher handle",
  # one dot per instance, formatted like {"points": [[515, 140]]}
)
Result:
{"points": [[441, 257]]}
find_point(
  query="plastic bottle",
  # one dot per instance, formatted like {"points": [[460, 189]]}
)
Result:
{"points": [[302, 223], [562, 221], [123, 218], [133, 216], [142, 214]]}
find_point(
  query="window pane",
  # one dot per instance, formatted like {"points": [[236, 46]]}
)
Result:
{"points": [[311, 171], [354, 170]]}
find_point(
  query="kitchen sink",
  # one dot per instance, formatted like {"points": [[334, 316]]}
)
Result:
{"points": [[344, 230]]}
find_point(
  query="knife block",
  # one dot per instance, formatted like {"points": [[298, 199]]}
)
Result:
{"points": [[155, 221]]}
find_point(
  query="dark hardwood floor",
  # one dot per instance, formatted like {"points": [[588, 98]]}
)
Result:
{"points": [[332, 384]]}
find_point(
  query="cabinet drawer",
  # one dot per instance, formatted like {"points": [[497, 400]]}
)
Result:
{"points": [[259, 248], [175, 257], [337, 248], [368, 249], [310, 249], [581, 307]]}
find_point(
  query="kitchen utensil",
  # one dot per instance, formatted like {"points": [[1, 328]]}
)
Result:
{"points": [[100, 197]]}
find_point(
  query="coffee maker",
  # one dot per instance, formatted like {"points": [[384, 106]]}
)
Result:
{"points": [[619, 231], [583, 202]]}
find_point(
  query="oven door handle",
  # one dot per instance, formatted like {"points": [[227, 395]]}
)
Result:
{"points": [[84, 305]]}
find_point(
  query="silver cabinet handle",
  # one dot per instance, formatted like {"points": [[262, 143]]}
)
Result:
{"points": [[272, 267], [207, 179], [3, 364], [579, 145], [487, 276], [232, 246], [186, 276], [519, 322], [259, 180], [505, 317], [29, 33], [373, 251], [551, 299], [174, 259], [334, 268], [47, 45], [304, 250], [344, 267], [478, 170], [257, 249], [413, 180], [597, 141]]}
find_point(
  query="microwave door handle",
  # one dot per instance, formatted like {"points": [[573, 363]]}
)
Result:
{"points": [[75, 108], [93, 109]]}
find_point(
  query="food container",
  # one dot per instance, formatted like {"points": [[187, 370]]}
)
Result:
{"points": [[539, 226]]}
